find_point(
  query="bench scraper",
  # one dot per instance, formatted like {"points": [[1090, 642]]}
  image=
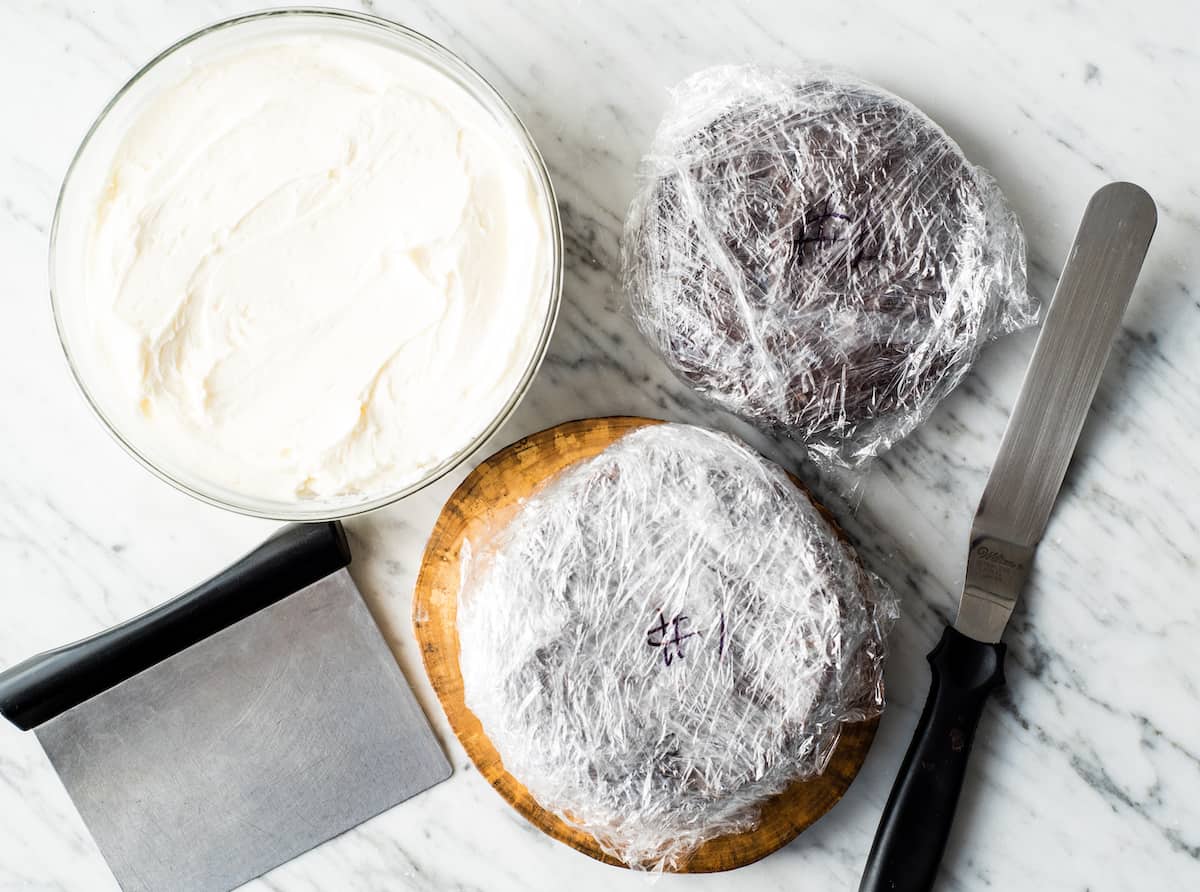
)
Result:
{"points": [[234, 727]]}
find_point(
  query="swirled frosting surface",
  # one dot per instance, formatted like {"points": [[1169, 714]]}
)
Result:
{"points": [[317, 267]]}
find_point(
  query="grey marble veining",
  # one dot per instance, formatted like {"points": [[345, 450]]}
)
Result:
{"points": [[1086, 773]]}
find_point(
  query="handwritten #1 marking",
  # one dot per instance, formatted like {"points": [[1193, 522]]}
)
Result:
{"points": [[669, 636]]}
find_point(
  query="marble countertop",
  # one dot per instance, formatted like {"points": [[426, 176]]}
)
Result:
{"points": [[1086, 773]]}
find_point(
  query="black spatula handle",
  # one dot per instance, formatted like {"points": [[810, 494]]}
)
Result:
{"points": [[916, 820], [49, 684]]}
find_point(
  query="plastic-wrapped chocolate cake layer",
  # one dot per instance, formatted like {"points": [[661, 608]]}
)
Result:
{"points": [[816, 255], [665, 635]]}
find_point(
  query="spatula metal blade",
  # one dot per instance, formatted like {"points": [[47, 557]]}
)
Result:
{"points": [[248, 748], [1064, 372]]}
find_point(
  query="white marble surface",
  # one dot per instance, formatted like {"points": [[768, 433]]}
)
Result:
{"points": [[1086, 774]]}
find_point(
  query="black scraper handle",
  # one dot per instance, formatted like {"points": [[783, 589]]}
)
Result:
{"points": [[916, 820], [50, 683]]}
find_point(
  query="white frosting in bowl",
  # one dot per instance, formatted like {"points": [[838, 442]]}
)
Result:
{"points": [[314, 268]]}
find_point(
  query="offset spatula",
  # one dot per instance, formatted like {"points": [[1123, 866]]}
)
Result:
{"points": [[227, 731], [968, 663]]}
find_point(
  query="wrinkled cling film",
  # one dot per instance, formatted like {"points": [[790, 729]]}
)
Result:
{"points": [[665, 635], [817, 256]]}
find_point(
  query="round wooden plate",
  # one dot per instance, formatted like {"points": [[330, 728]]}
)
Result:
{"points": [[491, 494]]}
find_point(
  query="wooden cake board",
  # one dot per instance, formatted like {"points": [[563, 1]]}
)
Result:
{"points": [[491, 494]]}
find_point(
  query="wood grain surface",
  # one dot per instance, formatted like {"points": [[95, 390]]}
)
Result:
{"points": [[492, 494]]}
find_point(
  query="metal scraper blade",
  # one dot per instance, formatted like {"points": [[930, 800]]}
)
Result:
{"points": [[247, 749]]}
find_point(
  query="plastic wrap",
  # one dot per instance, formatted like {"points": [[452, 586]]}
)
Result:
{"points": [[816, 255], [665, 635]]}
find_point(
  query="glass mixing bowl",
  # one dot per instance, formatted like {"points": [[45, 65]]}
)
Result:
{"points": [[69, 235]]}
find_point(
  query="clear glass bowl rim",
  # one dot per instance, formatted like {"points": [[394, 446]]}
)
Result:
{"points": [[315, 511]]}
